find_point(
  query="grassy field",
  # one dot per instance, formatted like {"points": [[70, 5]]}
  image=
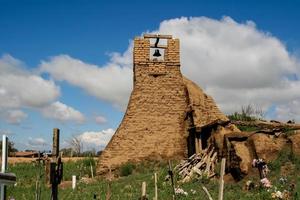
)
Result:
{"points": [[128, 186]]}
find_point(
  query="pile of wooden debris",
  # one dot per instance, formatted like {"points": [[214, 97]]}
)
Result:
{"points": [[198, 165]]}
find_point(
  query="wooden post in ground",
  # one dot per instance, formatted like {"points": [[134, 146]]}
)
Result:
{"points": [[73, 182], [155, 185], [222, 172], [144, 197]]}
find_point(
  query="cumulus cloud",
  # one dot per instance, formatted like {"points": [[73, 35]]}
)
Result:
{"points": [[15, 116], [62, 112], [95, 139], [111, 83], [289, 111], [37, 143], [236, 63], [20, 88], [100, 119]]}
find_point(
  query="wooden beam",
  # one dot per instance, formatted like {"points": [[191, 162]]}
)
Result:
{"points": [[158, 36], [159, 46]]}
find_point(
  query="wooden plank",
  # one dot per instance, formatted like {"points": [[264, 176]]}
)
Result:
{"points": [[158, 36]]}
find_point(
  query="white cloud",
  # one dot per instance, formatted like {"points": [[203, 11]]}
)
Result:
{"points": [[96, 139], [62, 112], [15, 116], [112, 82], [236, 63], [289, 111], [37, 143], [5, 132], [100, 119], [21, 88]]}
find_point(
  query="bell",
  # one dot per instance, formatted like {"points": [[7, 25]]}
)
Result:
{"points": [[156, 53]]}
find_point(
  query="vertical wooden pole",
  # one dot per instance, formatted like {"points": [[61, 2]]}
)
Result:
{"points": [[155, 185], [222, 172], [196, 144], [55, 147], [4, 164]]}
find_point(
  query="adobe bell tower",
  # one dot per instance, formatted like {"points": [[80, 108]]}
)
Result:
{"points": [[153, 125]]}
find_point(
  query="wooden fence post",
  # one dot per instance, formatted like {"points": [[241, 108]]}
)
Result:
{"points": [[222, 172], [143, 190]]}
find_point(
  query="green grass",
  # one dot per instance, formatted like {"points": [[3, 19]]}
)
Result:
{"points": [[248, 128], [129, 187]]}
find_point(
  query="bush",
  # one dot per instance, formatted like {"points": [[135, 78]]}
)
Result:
{"points": [[126, 169], [248, 113]]}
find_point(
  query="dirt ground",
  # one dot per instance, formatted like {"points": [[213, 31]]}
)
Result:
{"points": [[14, 160]]}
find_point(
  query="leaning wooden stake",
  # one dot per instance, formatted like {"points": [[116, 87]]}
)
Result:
{"points": [[155, 185], [172, 179], [222, 172], [207, 193]]}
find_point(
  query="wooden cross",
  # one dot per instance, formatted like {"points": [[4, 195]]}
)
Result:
{"points": [[54, 167], [5, 178]]}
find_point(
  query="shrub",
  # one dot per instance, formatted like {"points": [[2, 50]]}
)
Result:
{"points": [[126, 169]]}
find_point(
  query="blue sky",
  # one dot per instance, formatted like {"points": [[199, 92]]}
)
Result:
{"points": [[85, 34]]}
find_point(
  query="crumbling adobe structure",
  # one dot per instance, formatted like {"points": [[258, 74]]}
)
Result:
{"points": [[169, 117], [166, 112]]}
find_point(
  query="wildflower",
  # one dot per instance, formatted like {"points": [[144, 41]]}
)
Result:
{"points": [[266, 183]]}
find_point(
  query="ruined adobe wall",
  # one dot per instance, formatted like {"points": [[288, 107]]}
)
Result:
{"points": [[153, 125], [203, 107]]}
